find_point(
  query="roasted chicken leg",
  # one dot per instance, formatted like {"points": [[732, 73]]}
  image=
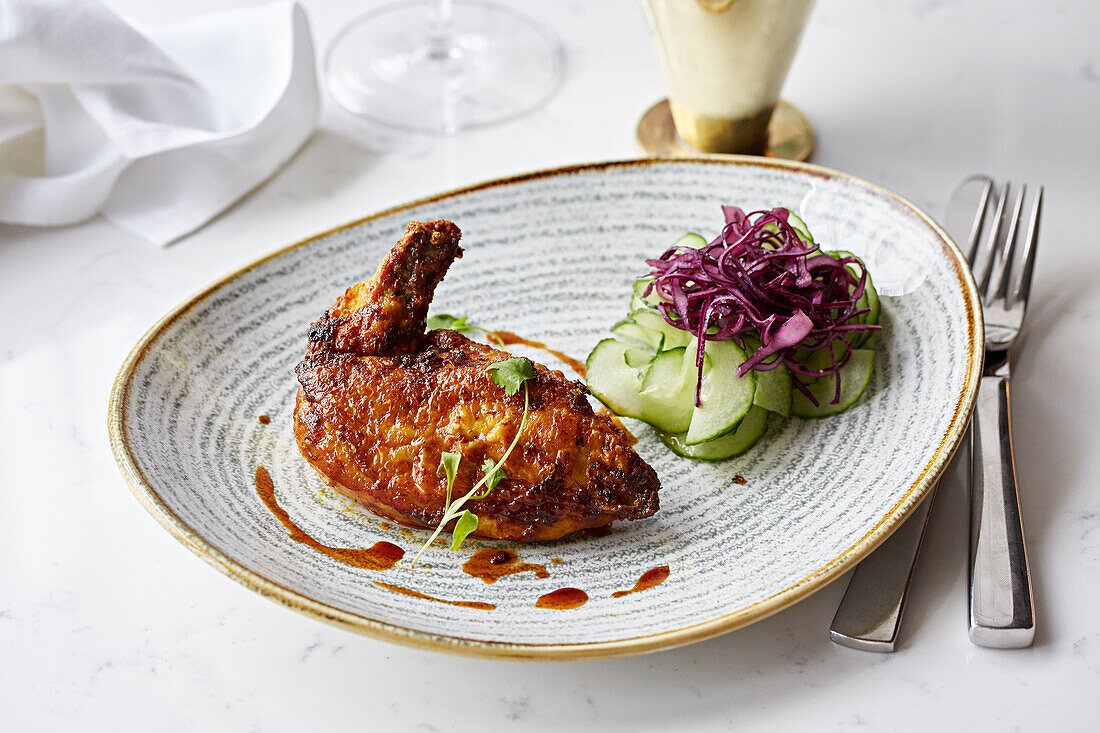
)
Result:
{"points": [[380, 400]]}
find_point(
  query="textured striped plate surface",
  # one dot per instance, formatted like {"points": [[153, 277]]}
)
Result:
{"points": [[551, 256]]}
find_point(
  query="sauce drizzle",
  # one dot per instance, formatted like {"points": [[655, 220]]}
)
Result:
{"points": [[380, 556], [492, 564], [649, 578], [509, 338], [563, 599], [417, 594]]}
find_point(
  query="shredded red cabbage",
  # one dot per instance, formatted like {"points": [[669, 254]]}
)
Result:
{"points": [[765, 282]]}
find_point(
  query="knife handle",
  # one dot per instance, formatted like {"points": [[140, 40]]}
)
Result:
{"points": [[1001, 611], [869, 615]]}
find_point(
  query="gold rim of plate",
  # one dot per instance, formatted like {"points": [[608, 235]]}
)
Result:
{"points": [[790, 135], [148, 496]]}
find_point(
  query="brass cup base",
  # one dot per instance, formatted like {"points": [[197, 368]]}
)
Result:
{"points": [[790, 135]]}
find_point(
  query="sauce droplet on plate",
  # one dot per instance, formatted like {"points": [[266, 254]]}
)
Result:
{"points": [[563, 599], [492, 564], [649, 578], [380, 556], [509, 338], [264, 419], [417, 594]]}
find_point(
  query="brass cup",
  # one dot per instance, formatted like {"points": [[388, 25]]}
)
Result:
{"points": [[747, 135], [725, 62]]}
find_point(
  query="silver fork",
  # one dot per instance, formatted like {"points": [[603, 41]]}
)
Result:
{"points": [[1001, 610]]}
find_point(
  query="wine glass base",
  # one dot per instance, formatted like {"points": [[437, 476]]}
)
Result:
{"points": [[404, 66]]}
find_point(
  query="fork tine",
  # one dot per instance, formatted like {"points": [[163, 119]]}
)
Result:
{"points": [[978, 228], [1023, 284], [983, 256], [980, 218], [1003, 255]]}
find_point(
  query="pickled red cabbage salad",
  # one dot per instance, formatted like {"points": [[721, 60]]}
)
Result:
{"points": [[721, 334]]}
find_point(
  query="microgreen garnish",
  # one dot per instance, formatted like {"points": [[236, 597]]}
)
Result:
{"points": [[448, 464], [446, 320], [494, 474], [459, 323], [467, 523], [510, 374]]}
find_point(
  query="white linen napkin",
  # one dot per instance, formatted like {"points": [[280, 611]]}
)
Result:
{"points": [[158, 130]]}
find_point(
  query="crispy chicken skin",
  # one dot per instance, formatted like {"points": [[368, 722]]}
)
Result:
{"points": [[381, 400]]}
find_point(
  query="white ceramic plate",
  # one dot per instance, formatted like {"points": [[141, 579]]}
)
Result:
{"points": [[551, 256]]}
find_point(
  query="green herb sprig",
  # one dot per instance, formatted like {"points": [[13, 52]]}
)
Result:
{"points": [[510, 375], [458, 323]]}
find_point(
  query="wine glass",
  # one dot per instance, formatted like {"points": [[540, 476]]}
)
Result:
{"points": [[441, 65]]}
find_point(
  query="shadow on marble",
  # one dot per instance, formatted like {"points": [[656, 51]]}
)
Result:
{"points": [[52, 277], [760, 666], [939, 581], [1051, 442], [328, 163], [1047, 466]]}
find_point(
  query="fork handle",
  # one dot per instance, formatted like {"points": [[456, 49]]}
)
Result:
{"points": [[1001, 611]]}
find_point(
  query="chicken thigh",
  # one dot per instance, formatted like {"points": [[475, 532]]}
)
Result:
{"points": [[381, 400]]}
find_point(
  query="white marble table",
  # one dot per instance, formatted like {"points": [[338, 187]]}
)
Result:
{"points": [[108, 623]]}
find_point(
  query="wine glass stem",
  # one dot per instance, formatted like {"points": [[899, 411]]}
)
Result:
{"points": [[442, 45]]}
